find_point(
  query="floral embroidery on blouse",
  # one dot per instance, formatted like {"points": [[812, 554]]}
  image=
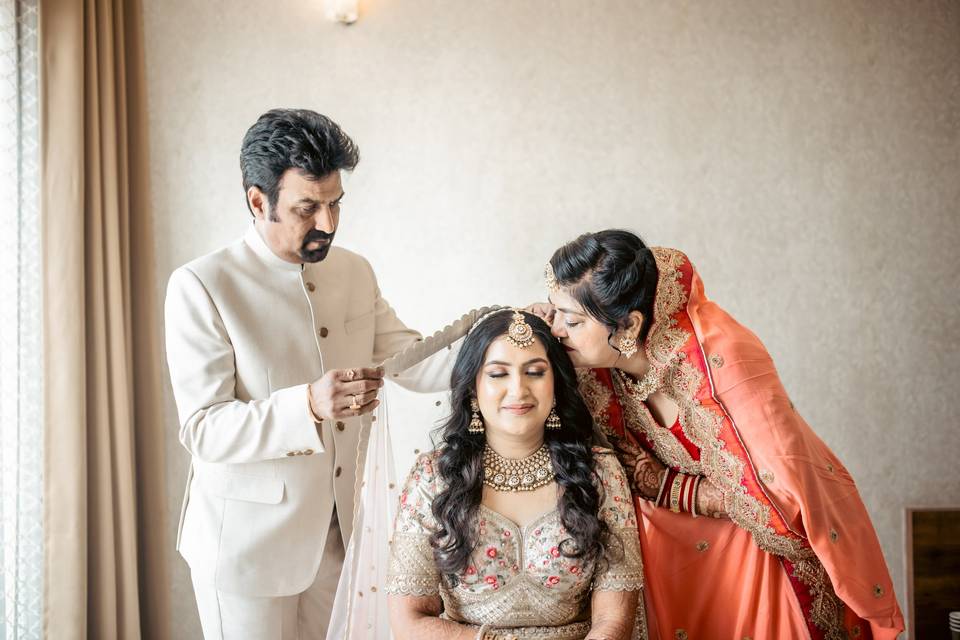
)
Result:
{"points": [[517, 576]]}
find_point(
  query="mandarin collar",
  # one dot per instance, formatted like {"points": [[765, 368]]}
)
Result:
{"points": [[259, 247]]}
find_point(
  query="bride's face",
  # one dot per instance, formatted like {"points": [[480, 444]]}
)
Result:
{"points": [[584, 338], [515, 388]]}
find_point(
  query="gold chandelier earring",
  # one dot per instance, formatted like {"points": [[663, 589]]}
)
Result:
{"points": [[476, 422], [626, 345], [553, 420]]}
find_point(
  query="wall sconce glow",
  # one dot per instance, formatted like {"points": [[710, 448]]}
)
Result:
{"points": [[343, 11]]}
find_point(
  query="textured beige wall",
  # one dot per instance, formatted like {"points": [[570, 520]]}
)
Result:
{"points": [[804, 154]]}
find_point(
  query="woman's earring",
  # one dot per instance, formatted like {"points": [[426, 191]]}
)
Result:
{"points": [[476, 423], [626, 345], [553, 420]]}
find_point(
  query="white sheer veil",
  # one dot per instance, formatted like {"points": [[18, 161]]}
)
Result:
{"points": [[360, 607]]}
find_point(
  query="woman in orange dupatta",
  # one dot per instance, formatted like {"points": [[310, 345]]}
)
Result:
{"points": [[751, 526]]}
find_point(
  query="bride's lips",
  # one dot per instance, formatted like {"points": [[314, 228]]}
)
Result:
{"points": [[518, 409], [568, 348]]}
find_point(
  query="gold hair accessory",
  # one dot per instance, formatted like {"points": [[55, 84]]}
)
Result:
{"points": [[483, 318], [551, 279], [519, 333], [476, 423], [525, 474]]}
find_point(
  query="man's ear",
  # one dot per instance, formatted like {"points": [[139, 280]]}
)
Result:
{"points": [[258, 203]]}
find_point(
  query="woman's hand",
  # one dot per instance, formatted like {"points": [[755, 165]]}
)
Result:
{"points": [[648, 474], [543, 310]]}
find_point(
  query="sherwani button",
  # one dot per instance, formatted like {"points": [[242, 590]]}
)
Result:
{"points": [[336, 474], [324, 332], [311, 287], [291, 453], [340, 426], [308, 452]]}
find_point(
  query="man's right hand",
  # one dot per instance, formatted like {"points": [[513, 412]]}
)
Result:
{"points": [[346, 393]]}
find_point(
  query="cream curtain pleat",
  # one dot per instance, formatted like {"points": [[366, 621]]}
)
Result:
{"points": [[103, 471]]}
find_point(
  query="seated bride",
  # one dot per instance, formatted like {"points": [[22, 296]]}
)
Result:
{"points": [[515, 527]]}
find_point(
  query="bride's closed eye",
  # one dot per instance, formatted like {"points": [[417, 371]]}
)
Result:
{"points": [[536, 373]]}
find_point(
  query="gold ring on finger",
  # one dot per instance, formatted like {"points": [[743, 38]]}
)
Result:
{"points": [[355, 405]]}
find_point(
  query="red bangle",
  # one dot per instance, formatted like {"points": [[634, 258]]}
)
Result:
{"points": [[687, 502], [663, 500]]}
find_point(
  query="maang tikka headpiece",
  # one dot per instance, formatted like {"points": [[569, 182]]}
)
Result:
{"points": [[519, 333], [551, 279]]}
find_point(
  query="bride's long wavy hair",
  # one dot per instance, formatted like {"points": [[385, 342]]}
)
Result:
{"points": [[460, 463]]}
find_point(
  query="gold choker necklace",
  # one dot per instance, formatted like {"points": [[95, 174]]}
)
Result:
{"points": [[526, 474]]}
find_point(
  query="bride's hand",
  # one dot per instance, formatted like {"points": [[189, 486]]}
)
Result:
{"points": [[544, 310]]}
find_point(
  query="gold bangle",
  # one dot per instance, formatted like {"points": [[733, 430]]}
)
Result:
{"points": [[675, 493]]}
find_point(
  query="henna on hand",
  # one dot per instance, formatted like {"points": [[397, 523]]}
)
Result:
{"points": [[710, 499], [648, 475]]}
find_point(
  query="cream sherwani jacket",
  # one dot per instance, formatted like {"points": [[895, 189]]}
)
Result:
{"points": [[246, 332]]}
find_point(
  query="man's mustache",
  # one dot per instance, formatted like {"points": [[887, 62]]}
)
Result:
{"points": [[315, 235]]}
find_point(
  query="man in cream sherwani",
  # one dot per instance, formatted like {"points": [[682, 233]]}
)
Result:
{"points": [[271, 343]]}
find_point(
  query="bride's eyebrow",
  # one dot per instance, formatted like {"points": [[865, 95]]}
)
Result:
{"points": [[576, 313], [525, 364]]}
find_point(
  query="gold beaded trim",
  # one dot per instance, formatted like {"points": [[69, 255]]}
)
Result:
{"points": [[525, 474]]}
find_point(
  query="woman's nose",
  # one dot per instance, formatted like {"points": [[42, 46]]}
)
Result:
{"points": [[556, 327], [518, 387]]}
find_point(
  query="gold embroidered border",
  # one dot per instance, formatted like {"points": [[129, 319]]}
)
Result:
{"points": [[665, 444], [597, 397], [666, 339], [826, 611]]}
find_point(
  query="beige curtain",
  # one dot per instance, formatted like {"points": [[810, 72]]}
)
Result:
{"points": [[104, 507]]}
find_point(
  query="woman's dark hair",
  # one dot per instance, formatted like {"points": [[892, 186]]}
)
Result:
{"points": [[284, 139], [609, 273], [460, 463]]}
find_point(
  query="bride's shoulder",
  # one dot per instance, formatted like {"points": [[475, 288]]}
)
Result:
{"points": [[425, 471]]}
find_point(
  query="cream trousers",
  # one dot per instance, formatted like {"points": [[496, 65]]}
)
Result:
{"points": [[302, 616]]}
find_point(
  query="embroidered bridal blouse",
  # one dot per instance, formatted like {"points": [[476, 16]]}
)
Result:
{"points": [[517, 580]]}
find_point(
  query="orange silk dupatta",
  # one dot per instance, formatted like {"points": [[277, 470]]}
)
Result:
{"points": [[798, 556]]}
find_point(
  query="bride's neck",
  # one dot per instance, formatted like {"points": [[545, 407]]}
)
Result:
{"points": [[515, 447]]}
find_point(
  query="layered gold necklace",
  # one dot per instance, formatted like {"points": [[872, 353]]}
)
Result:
{"points": [[525, 474], [644, 387]]}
